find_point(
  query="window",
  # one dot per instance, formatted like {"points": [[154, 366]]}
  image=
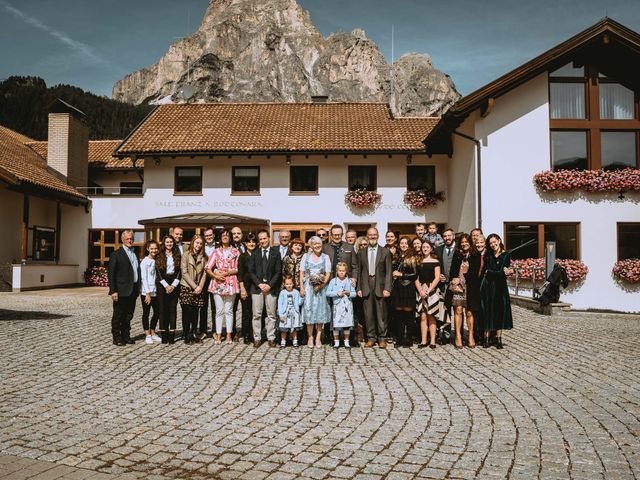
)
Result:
{"points": [[245, 179], [628, 241], [303, 231], [130, 188], [593, 119], [362, 176], [421, 177], [526, 240], [44, 243], [303, 179], [188, 180], [102, 243]]}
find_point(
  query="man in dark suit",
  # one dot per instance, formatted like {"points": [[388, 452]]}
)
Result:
{"points": [[124, 272], [340, 251], [374, 285], [445, 256], [265, 271]]}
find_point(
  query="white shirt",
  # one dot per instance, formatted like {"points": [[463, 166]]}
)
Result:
{"points": [[170, 270], [134, 261], [208, 249], [372, 253], [283, 251], [148, 276]]}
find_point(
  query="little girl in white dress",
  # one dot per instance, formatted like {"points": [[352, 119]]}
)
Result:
{"points": [[342, 294], [289, 304]]}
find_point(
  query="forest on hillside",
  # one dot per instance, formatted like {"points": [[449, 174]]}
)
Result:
{"points": [[24, 104]]}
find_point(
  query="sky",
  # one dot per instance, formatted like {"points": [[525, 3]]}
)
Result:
{"points": [[93, 43]]}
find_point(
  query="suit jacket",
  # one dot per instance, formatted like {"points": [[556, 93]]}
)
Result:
{"points": [[383, 271], [346, 254], [273, 275], [446, 266], [120, 274]]}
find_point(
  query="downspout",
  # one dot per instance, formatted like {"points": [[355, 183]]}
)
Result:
{"points": [[478, 176]]}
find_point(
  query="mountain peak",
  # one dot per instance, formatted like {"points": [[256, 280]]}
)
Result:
{"points": [[248, 50]]}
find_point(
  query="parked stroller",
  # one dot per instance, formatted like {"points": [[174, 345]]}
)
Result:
{"points": [[549, 292]]}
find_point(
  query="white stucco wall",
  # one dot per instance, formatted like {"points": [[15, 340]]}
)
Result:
{"points": [[39, 276], [516, 146], [274, 202]]}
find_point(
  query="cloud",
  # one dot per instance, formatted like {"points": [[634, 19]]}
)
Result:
{"points": [[85, 51]]}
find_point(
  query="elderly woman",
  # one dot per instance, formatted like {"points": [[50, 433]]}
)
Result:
{"points": [[315, 270]]}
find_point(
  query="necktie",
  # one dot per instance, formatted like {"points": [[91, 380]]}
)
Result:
{"points": [[372, 268], [448, 251], [264, 263]]}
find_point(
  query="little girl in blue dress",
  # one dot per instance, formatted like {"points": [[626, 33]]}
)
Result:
{"points": [[289, 304], [342, 293]]}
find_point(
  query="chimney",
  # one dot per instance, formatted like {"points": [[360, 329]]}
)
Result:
{"points": [[68, 143]]}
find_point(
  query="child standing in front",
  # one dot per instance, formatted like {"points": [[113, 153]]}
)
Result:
{"points": [[289, 304], [148, 295], [342, 293]]}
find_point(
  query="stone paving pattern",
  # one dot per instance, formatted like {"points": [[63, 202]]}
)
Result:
{"points": [[562, 400]]}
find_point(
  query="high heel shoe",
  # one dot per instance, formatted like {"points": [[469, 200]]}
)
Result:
{"points": [[423, 345], [499, 345], [432, 346], [486, 343]]}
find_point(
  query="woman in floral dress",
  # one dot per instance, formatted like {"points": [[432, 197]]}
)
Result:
{"points": [[315, 270]]}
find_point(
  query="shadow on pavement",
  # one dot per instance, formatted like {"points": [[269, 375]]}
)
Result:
{"points": [[29, 315]]}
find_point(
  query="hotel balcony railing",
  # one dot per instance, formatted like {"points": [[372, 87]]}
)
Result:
{"points": [[111, 191]]}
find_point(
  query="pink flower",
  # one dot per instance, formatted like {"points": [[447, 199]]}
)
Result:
{"points": [[576, 269], [627, 270], [624, 180]]}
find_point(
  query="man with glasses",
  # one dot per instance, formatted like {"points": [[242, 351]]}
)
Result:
{"points": [[323, 234], [209, 247], [285, 238]]}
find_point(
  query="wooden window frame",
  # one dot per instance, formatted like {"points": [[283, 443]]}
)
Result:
{"points": [[303, 227], [541, 240], [618, 236], [592, 124], [102, 260], [233, 176], [375, 179], [304, 192], [410, 167], [175, 180]]}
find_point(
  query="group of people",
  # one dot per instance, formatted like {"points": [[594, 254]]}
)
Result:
{"points": [[336, 288]]}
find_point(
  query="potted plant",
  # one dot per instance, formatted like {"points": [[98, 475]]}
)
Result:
{"points": [[423, 198], [362, 198]]}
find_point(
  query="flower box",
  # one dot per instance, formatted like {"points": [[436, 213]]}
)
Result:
{"points": [[624, 180], [423, 198], [576, 269], [96, 276], [627, 270], [362, 198]]}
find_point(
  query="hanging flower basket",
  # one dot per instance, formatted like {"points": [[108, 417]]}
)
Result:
{"points": [[423, 198], [625, 180], [576, 269], [96, 276], [362, 198], [627, 270]]}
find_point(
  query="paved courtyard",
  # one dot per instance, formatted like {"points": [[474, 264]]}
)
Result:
{"points": [[562, 400]]}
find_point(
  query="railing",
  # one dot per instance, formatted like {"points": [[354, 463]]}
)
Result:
{"points": [[109, 191], [534, 270]]}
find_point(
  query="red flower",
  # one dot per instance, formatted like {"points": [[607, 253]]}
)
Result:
{"points": [[96, 276], [624, 180], [423, 198], [362, 198], [627, 270], [576, 269]]}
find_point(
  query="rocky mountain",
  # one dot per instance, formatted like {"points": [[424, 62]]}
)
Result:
{"points": [[269, 50]]}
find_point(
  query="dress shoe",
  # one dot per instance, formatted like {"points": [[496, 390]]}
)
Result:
{"points": [[256, 343], [129, 341], [354, 343], [499, 345], [119, 342], [187, 340], [423, 345], [272, 343], [172, 337], [236, 338], [247, 341], [369, 344], [382, 344], [202, 336], [432, 346]]}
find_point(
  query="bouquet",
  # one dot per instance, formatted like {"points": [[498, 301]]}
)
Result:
{"points": [[317, 280]]}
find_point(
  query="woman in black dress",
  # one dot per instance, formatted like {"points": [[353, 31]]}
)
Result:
{"points": [[403, 295], [458, 287], [168, 277], [244, 280], [494, 292], [428, 298], [473, 278], [393, 321]]}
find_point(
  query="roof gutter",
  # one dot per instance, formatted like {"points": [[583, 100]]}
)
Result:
{"points": [[478, 167]]}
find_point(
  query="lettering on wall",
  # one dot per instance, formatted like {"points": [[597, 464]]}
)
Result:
{"points": [[205, 204]]}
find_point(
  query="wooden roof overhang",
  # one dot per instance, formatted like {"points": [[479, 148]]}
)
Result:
{"points": [[613, 48]]}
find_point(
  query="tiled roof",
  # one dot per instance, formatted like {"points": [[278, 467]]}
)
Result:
{"points": [[100, 154], [20, 164], [276, 127]]}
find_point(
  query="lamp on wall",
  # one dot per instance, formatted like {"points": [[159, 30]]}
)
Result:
{"points": [[288, 160], [409, 159], [156, 161]]}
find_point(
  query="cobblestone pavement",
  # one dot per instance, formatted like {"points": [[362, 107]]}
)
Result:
{"points": [[562, 400]]}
